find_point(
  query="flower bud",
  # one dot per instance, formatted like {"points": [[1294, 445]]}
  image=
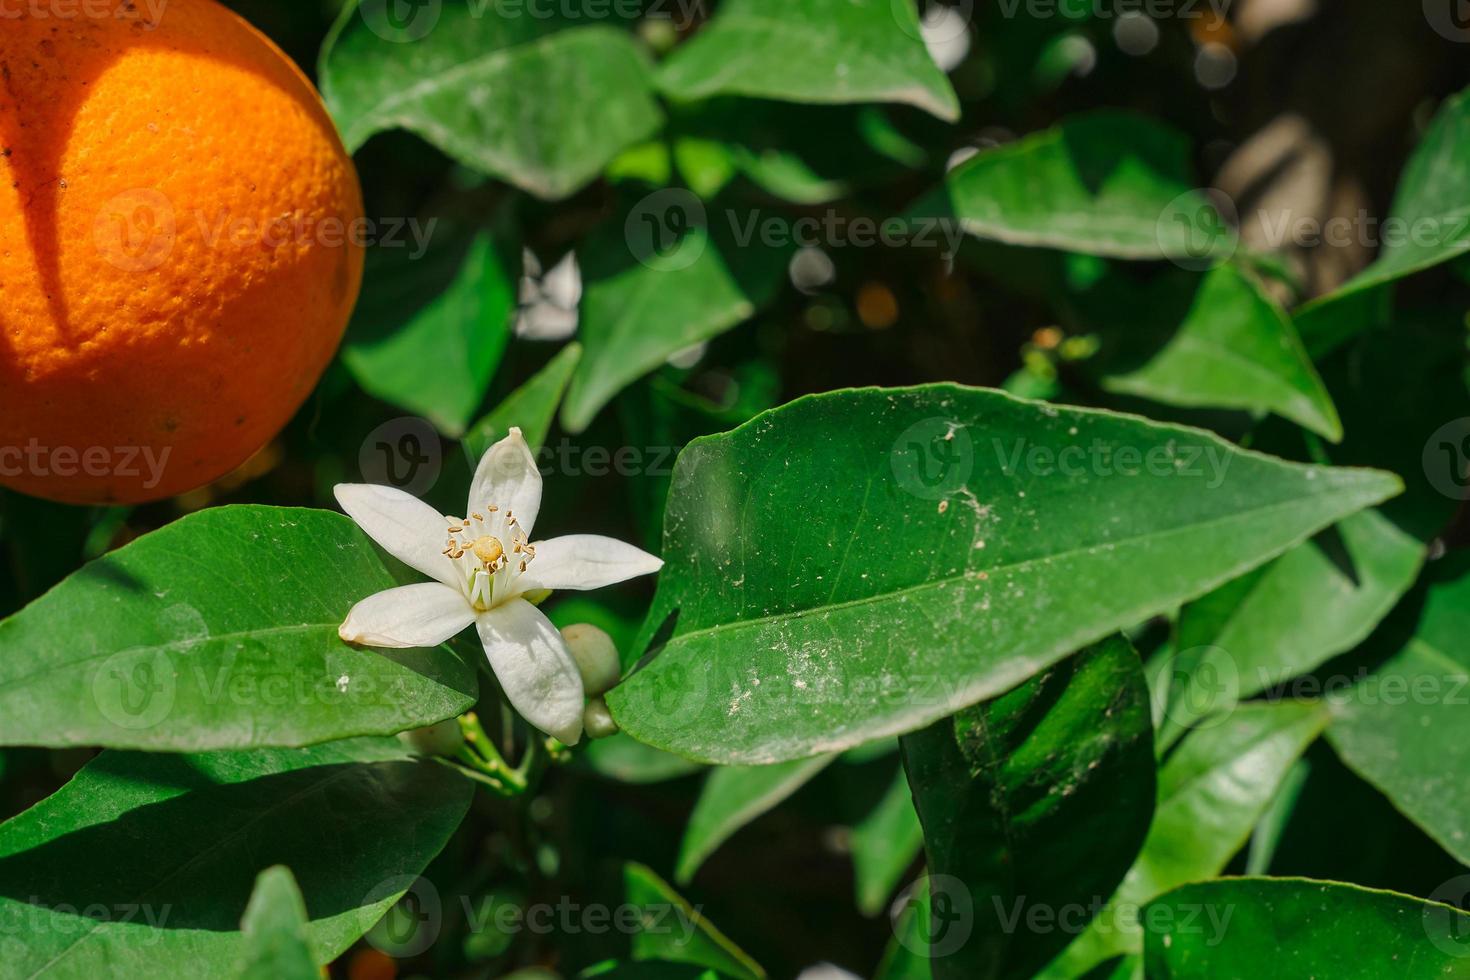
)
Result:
{"points": [[597, 721], [597, 658]]}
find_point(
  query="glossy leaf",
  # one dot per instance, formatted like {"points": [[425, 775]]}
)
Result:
{"points": [[474, 79], [861, 563], [1233, 348], [817, 51], [1406, 726], [429, 331], [884, 845], [181, 838], [1296, 927], [693, 940], [1107, 183], [1318, 600], [1037, 799], [532, 407], [733, 796], [219, 631], [1213, 790], [639, 306], [277, 946]]}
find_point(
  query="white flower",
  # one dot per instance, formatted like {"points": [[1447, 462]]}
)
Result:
{"points": [[482, 567]]}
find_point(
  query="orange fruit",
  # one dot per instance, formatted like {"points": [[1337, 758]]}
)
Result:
{"points": [[181, 235]]}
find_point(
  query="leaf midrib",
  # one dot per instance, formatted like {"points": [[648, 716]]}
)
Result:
{"points": [[180, 645], [968, 573], [491, 61]]}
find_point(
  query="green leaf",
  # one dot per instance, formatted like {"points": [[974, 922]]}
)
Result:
{"points": [[532, 406], [543, 102], [817, 51], [1106, 183], [1405, 728], [693, 940], [1318, 600], [1213, 790], [1233, 348], [862, 563], [182, 837], [277, 946], [1430, 210], [884, 844], [1296, 927], [639, 306], [219, 631], [732, 797], [1037, 800], [429, 332]]}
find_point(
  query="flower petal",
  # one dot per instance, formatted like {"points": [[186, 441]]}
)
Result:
{"points": [[507, 477], [585, 561], [422, 615], [534, 667], [406, 527]]}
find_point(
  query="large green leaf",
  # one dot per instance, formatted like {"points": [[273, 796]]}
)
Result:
{"points": [[693, 939], [1296, 927], [863, 563], [1429, 221], [543, 102], [1038, 799], [1106, 183], [733, 796], [277, 946], [1232, 348], [642, 304], [219, 631], [1213, 790], [1406, 727], [430, 330], [822, 51], [1283, 619], [143, 864]]}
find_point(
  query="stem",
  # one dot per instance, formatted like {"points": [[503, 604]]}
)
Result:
{"points": [[480, 754]]}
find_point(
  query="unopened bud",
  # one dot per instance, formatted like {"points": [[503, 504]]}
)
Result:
{"points": [[596, 656], [597, 721]]}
